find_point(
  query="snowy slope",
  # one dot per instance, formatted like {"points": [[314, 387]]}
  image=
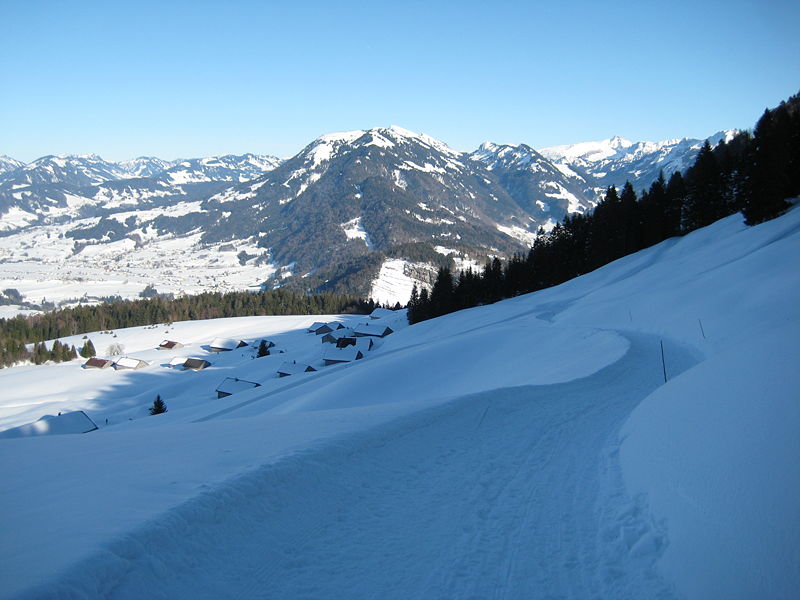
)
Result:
{"points": [[527, 448], [8, 164]]}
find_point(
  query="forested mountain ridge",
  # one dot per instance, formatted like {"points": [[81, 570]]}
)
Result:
{"points": [[366, 212], [753, 173]]}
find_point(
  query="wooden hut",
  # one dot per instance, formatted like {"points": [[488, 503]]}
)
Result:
{"points": [[232, 385], [97, 363]]}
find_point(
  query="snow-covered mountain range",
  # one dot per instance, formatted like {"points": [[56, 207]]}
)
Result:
{"points": [[367, 212], [616, 160]]}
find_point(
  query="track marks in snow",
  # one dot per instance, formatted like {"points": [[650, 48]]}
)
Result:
{"points": [[510, 493]]}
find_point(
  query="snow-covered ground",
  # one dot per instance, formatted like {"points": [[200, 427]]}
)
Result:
{"points": [[42, 263], [525, 449], [392, 284]]}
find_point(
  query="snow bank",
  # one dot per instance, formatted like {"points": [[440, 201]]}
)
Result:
{"points": [[716, 453]]}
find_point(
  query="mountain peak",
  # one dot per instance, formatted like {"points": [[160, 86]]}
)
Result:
{"points": [[619, 142]]}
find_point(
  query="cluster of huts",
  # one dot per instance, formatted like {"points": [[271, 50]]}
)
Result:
{"points": [[187, 363], [348, 344], [343, 345]]}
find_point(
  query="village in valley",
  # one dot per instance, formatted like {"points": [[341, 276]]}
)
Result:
{"points": [[231, 366]]}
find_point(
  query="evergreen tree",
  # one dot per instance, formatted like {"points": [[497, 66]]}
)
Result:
{"points": [[442, 301], [262, 349], [653, 209], [56, 352], [159, 406], [676, 198], [423, 311], [769, 181], [413, 305], [705, 202], [631, 232]]}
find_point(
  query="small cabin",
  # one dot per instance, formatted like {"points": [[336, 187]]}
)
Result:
{"points": [[68, 422], [127, 363], [176, 362], [97, 363], [372, 330], [334, 336], [316, 325], [169, 345], [195, 364], [232, 385], [225, 345], [320, 328], [363, 343], [293, 368], [380, 313], [342, 355]]}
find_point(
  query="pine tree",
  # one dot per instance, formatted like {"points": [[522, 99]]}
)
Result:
{"points": [[159, 406], [262, 349], [676, 198], [413, 306], [705, 202], [631, 238], [768, 180], [442, 293]]}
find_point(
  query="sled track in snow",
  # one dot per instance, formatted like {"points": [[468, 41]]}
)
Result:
{"points": [[511, 493]]}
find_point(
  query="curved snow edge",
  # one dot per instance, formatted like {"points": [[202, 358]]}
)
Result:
{"points": [[715, 452]]}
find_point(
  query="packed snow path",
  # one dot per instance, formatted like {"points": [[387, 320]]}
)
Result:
{"points": [[513, 493]]}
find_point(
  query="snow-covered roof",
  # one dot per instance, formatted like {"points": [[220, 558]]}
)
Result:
{"points": [[364, 343], [177, 361], [97, 363], [338, 334], [195, 364], [292, 368], [169, 345], [315, 325], [231, 385], [348, 354], [226, 344], [127, 362], [69, 422], [373, 330], [380, 313]]}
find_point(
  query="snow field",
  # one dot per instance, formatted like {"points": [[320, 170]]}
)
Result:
{"points": [[335, 521], [527, 448]]}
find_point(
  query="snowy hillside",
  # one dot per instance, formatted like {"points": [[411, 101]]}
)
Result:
{"points": [[528, 448]]}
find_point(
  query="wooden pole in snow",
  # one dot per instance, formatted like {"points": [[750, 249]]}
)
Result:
{"points": [[663, 362], [703, 331]]}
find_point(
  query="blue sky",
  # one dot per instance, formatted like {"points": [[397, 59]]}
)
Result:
{"points": [[180, 79]]}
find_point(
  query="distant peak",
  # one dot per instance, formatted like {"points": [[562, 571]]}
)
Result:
{"points": [[620, 142], [402, 132]]}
